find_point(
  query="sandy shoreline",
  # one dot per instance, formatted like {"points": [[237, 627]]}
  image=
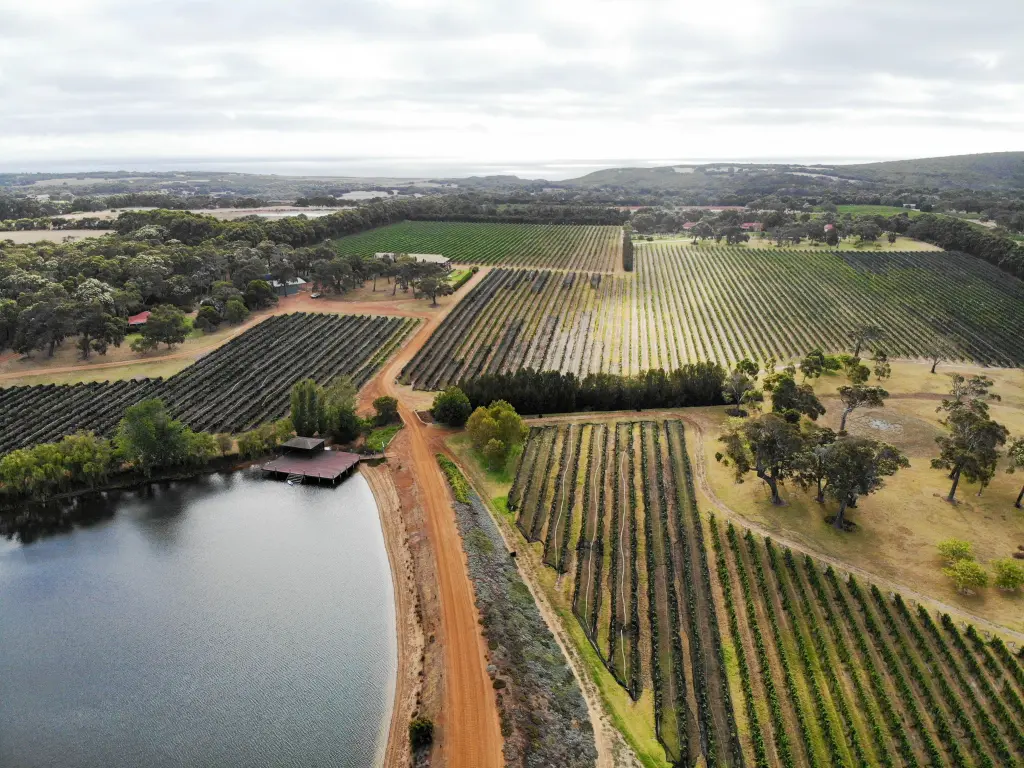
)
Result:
{"points": [[407, 625]]}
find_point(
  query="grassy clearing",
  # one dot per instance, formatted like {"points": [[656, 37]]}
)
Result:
{"points": [[876, 210], [378, 440]]}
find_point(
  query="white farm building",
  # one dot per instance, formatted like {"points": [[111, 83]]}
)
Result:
{"points": [[424, 258]]}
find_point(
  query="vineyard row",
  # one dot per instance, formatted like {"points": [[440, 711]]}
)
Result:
{"points": [[752, 653], [683, 305], [241, 384]]}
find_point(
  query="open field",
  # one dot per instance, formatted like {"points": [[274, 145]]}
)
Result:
{"points": [[590, 248], [51, 235], [243, 383], [806, 665], [876, 210], [688, 304]]}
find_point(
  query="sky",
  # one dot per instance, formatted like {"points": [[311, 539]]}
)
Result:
{"points": [[543, 88]]}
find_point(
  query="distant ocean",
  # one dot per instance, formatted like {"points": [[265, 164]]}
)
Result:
{"points": [[412, 168]]}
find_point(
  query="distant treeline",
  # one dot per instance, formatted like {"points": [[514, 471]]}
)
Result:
{"points": [[195, 228], [541, 215], [540, 392], [957, 235], [163, 200]]}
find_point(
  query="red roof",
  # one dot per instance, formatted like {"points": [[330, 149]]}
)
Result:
{"points": [[829, 227], [690, 225], [139, 319], [751, 225]]}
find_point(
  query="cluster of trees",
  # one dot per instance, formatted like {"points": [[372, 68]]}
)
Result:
{"points": [[782, 445], [329, 412], [50, 292], [531, 391], [969, 575], [147, 439], [840, 467], [496, 431], [957, 235], [451, 407], [300, 231], [786, 443], [341, 273]]}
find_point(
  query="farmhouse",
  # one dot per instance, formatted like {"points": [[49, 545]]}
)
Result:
{"points": [[139, 320], [752, 226], [422, 258], [289, 287], [306, 457]]}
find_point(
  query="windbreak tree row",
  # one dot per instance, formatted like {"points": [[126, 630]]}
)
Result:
{"points": [[243, 383]]}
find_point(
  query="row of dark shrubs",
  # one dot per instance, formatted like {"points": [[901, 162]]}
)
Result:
{"points": [[540, 392]]}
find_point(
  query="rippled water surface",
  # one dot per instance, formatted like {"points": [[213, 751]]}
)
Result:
{"points": [[230, 621]]}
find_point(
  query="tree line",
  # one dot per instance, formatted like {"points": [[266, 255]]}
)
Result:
{"points": [[50, 292], [540, 392]]}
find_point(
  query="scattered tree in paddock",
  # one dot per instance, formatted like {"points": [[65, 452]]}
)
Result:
{"points": [[813, 464], [740, 389], [955, 549], [433, 287], [1015, 455], [856, 466], [864, 334], [854, 396], [770, 446], [882, 369], [790, 399], [971, 447], [1009, 575], [967, 575]]}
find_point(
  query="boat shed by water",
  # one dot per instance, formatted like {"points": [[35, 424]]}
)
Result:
{"points": [[307, 458]]}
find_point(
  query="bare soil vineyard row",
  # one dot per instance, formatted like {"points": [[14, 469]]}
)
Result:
{"points": [[243, 383], [826, 671], [684, 305]]}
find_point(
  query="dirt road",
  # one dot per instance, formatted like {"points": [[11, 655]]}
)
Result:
{"points": [[468, 726]]}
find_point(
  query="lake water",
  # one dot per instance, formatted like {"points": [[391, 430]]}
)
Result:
{"points": [[229, 621]]}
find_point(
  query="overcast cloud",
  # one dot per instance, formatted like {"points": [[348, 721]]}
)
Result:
{"points": [[550, 86]]}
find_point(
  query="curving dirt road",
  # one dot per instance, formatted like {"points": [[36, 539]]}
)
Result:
{"points": [[468, 725]]}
